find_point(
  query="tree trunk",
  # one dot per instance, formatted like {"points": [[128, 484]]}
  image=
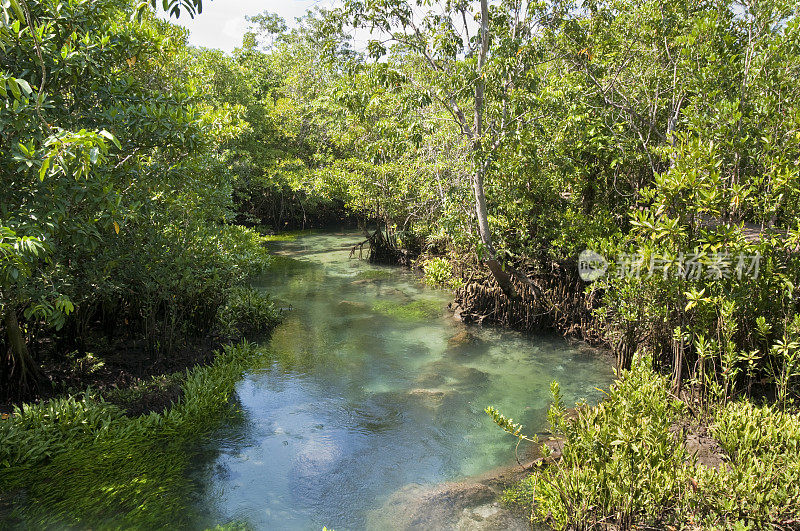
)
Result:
{"points": [[500, 275], [22, 368]]}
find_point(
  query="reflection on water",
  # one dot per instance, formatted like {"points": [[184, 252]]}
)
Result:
{"points": [[373, 387]]}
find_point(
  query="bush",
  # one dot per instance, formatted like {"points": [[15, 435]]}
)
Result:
{"points": [[619, 459], [246, 311], [760, 486], [439, 272], [623, 464]]}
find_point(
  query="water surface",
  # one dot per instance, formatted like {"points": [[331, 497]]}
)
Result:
{"points": [[373, 387]]}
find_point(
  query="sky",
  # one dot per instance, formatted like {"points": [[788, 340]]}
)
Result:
{"points": [[222, 23]]}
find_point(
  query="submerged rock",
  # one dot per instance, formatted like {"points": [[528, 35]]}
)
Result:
{"points": [[470, 505], [430, 398], [490, 516], [461, 339], [452, 373], [428, 393], [430, 379], [460, 505], [465, 345], [353, 306]]}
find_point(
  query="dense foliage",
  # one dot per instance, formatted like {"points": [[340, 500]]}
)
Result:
{"points": [[118, 183], [625, 462], [662, 135], [500, 136]]}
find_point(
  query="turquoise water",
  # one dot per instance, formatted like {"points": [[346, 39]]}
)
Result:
{"points": [[374, 387]]}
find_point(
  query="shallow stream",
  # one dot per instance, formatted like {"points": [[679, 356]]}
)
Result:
{"points": [[374, 387]]}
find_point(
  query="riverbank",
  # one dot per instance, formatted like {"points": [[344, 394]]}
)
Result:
{"points": [[82, 462], [112, 441], [643, 458], [112, 370], [345, 318]]}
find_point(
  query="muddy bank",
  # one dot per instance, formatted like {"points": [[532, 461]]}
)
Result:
{"points": [[124, 372]]}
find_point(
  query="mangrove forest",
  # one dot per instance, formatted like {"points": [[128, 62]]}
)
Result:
{"points": [[399, 264]]}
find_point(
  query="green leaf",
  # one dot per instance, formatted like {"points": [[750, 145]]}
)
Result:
{"points": [[44, 168], [25, 86], [14, 87], [112, 138], [17, 10]]}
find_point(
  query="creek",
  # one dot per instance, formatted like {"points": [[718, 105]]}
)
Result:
{"points": [[374, 387]]}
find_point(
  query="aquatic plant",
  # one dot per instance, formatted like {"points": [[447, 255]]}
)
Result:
{"points": [[81, 462], [288, 236], [376, 274], [417, 310]]}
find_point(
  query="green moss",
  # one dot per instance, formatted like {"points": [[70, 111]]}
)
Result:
{"points": [[279, 262], [418, 310], [288, 236], [79, 462], [375, 274]]}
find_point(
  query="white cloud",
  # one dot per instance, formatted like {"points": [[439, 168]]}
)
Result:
{"points": [[234, 28], [222, 22]]}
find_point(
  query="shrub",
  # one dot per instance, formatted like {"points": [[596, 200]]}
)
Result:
{"points": [[246, 311], [760, 485], [439, 272], [619, 459], [623, 463]]}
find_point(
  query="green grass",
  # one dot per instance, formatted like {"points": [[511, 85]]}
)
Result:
{"points": [[79, 462]]}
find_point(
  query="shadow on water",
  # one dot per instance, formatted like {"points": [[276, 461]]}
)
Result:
{"points": [[373, 388]]}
